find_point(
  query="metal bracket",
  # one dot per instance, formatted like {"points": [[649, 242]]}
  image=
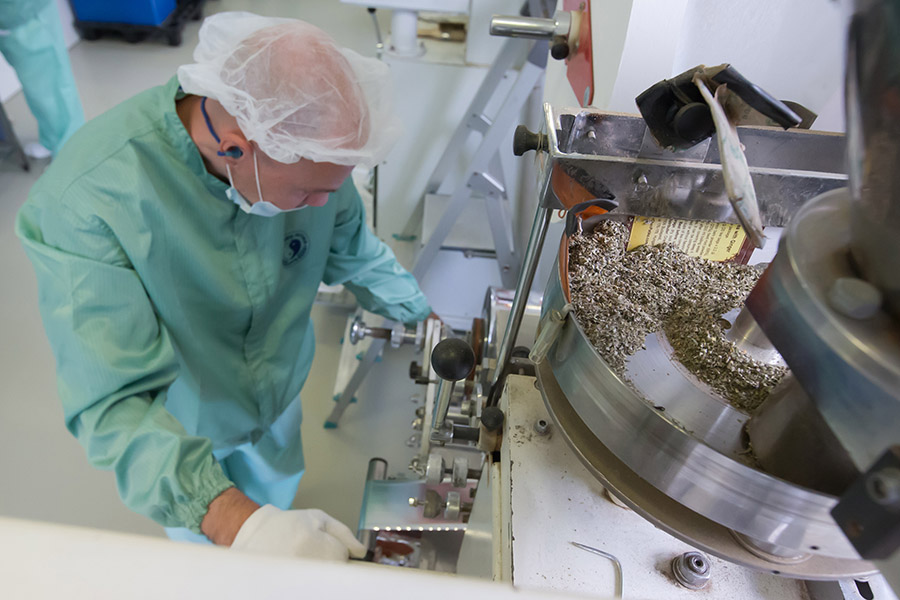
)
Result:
{"points": [[550, 328], [869, 512]]}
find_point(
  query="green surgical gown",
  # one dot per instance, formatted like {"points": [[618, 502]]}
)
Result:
{"points": [[32, 42], [181, 325]]}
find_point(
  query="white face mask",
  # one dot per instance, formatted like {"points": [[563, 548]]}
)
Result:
{"points": [[261, 208]]}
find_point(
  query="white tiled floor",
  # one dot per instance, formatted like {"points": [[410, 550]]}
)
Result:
{"points": [[43, 473]]}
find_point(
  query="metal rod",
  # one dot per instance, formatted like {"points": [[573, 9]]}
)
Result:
{"points": [[379, 45], [444, 393], [523, 288], [523, 27], [377, 332], [620, 576], [356, 380]]}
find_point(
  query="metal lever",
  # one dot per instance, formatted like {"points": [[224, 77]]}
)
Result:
{"points": [[452, 359], [556, 30]]}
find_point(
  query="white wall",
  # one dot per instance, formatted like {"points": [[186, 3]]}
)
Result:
{"points": [[9, 83], [794, 50]]}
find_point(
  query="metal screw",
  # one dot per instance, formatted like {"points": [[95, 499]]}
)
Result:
{"points": [[884, 486], [541, 427], [641, 184], [691, 570]]}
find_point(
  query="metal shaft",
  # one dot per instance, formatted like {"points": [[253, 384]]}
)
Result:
{"points": [[444, 393], [382, 333], [379, 42], [523, 27], [523, 288]]}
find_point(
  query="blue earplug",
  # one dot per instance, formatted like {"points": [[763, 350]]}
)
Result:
{"points": [[231, 153]]}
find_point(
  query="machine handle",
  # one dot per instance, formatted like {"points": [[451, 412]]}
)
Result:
{"points": [[525, 140], [452, 359], [757, 98], [679, 118]]}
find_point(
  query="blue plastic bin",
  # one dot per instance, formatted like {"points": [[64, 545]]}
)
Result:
{"points": [[131, 12]]}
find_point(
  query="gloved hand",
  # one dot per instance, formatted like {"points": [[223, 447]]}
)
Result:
{"points": [[302, 533]]}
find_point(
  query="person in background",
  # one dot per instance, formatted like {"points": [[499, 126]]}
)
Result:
{"points": [[179, 241], [31, 41]]}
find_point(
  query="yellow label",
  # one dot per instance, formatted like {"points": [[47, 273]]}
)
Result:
{"points": [[702, 239]]}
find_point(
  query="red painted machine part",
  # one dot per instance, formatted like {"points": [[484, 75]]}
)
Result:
{"points": [[580, 65]]}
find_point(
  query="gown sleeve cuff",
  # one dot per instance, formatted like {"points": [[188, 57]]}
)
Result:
{"points": [[413, 311], [211, 483]]}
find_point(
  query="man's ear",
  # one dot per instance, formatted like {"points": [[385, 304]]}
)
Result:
{"points": [[234, 147]]}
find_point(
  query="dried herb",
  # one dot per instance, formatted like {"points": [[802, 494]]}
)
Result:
{"points": [[620, 297]]}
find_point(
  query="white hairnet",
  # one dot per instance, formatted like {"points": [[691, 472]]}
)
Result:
{"points": [[292, 90]]}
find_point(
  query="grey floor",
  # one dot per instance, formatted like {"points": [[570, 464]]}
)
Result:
{"points": [[43, 473]]}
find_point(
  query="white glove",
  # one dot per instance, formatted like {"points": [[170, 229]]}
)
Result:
{"points": [[302, 533]]}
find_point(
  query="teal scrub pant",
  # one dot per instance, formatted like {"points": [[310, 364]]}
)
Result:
{"points": [[268, 471], [37, 51]]}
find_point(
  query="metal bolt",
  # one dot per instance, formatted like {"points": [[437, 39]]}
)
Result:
{"points": [[641, 183], [691, 570], [884, 486], [542, 427]]}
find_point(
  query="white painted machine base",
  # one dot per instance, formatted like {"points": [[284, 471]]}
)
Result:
{"points": [[553, 500]]}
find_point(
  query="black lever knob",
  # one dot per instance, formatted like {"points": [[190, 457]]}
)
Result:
{"points": [[453, 359], [524, 140], [492, 418]]}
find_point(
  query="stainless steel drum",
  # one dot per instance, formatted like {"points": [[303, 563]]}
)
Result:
{"points": [[673, 453]]}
